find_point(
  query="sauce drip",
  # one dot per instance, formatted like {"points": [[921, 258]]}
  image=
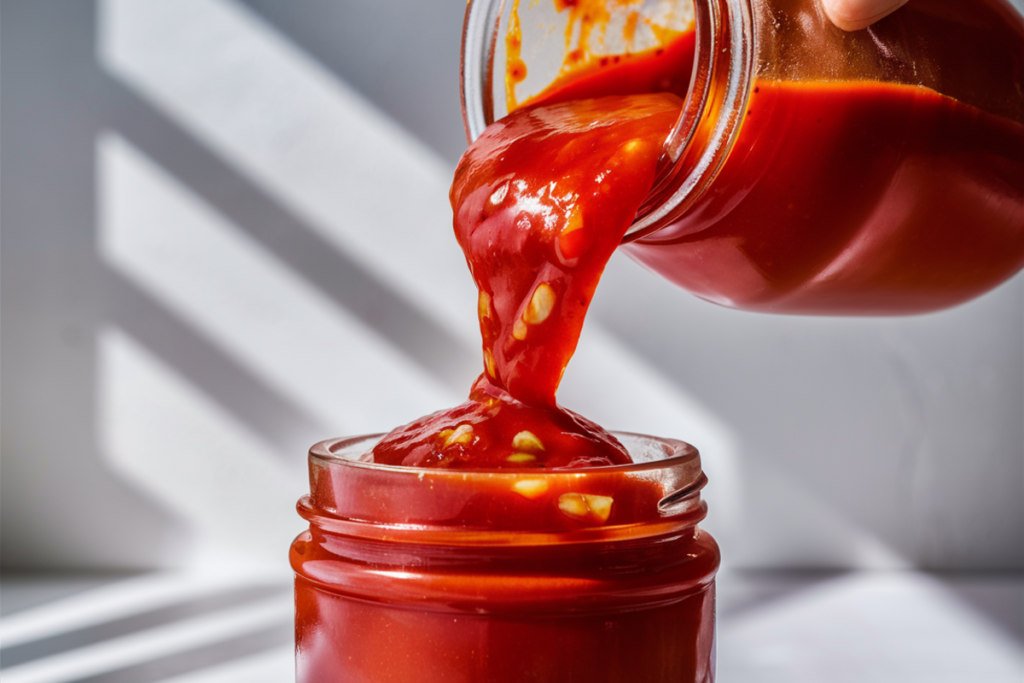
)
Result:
{"points": [[541, 201]]}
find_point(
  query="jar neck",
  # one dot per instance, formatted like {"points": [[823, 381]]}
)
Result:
{"points": [[723, 71], [708, 123]]}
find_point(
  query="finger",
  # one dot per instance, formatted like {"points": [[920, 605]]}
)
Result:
{"points": [[853, 15]]}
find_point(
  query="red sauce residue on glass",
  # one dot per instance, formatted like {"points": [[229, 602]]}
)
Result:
{"points": [[541, 201], [664, 69], [589, 69]]}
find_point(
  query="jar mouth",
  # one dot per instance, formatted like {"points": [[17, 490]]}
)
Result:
{"points": [[647, 452], [708, 122], [352, 496]]}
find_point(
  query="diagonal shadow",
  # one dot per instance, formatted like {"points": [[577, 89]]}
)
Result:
{"points": [[747, 590], [996, 596], [51, 107], [199, 658], [135, 623], [401, 56], [217, 374], [336, 274]]}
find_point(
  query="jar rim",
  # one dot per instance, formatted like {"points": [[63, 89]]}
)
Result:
{"points": [[348, 451], [348, 493]]}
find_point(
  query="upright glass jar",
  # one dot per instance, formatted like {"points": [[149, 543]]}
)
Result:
{"points": [[812, 170], [448, 576]]}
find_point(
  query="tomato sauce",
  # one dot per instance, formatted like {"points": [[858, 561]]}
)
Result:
{"points": [[837, 198], [853, 198], [542, 200], [560, 621], [849, 197]]}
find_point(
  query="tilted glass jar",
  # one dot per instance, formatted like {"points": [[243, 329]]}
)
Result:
{"points": [[812, 170], [451, 576]]}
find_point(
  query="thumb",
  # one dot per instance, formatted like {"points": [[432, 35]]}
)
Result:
{"points": [[853, 15]]}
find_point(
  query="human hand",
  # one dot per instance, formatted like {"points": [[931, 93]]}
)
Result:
{"points": [[852, 15]]}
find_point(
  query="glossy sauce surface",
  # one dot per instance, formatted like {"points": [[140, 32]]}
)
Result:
{"points": [[541, 200]]}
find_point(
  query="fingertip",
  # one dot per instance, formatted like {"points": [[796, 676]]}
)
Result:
{"points": [[853, 15]]}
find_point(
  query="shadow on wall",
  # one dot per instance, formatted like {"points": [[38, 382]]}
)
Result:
{"points": [[180, 333], [216, 252]]}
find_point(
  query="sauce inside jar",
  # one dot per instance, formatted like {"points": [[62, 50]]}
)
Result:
{"points": [[442, 575]]}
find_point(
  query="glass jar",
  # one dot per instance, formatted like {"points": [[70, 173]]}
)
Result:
{"points": [[430, 575], [812, 170]]}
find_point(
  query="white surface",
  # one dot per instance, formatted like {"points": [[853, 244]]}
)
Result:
{"points": [[118, 599], [142, 647], [878, 627], [282, 330], [273, 666], [304, 137], [868, 627]]}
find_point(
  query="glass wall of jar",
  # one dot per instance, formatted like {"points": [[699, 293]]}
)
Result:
{"points": [[812, 170], [445, 576]]}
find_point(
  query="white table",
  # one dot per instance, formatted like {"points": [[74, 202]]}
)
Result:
{"points": [[209, 628]]}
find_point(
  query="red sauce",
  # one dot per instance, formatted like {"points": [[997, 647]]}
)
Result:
{"points": [[853, 198], [847, 197], [585, 74], [555, 614], [837, 198], [541, 201]]}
